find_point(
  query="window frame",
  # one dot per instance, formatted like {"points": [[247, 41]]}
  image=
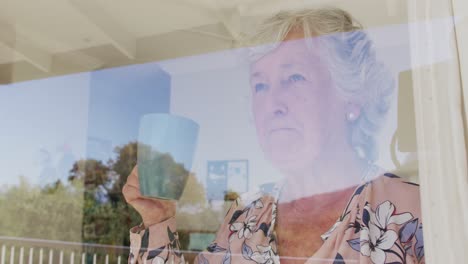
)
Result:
{"points": [[441, 131]]}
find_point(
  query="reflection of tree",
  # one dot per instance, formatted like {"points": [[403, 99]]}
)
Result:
{"points": [[126, 160], [231, 195], [171, 176], [53, 212], [108, 223], [107, 217], [194, 193], [92, 172], [76, 212]]}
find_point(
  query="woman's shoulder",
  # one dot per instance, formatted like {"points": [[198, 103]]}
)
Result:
{"points": [[267, 192], [392, 178], [385, 193], [391, 186], [389, 195], [385, 218]]}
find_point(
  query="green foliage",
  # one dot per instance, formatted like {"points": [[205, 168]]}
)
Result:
{"points": [[126, 161], [107, 223], [54, 212], [71, 212], [172, 175], [92, 172], [194, 193]]}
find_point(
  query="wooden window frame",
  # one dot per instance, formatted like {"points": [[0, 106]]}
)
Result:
{"points": [[441, 126]]}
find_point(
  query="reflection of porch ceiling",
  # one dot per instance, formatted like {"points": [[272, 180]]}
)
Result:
{"points": [[54, 37], [151, 48]]}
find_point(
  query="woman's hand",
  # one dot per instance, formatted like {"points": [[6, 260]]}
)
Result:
{"points": [[152, 210]]}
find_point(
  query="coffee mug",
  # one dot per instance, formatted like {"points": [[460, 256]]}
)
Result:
{"points": [[166, 145]]}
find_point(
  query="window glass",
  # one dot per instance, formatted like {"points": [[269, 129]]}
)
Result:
{"points": [[212, 132]]}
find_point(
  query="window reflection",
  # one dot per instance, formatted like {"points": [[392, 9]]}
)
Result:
{"points": [[307, 141]]}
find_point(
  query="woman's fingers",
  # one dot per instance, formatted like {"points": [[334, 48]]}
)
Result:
{"points": [[152, 211], [131, 189], [132, 179], [130, 192], [133, 197]]}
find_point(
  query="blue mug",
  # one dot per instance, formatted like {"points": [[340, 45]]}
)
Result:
{"points": [[166, 146]]}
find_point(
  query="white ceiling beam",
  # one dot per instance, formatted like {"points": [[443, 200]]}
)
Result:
{"points": [[226, 12], [83, 60], [110, 27], [25, 47], [73, 57], [232, 21]]}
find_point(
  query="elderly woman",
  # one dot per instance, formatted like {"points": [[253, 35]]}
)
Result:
{"points": [[318, 96]]}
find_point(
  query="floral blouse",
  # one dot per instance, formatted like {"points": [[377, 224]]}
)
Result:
{"points": [[381, 223]]}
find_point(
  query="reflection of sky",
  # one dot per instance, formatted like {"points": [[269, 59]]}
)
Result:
{"points": [[46, 123], [50, 123], [43, 121], [119, 97]]}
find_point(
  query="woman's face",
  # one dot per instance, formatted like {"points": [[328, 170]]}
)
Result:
{"points": [[298, 114]]}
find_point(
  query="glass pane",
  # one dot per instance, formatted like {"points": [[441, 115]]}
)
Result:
{"points": [[262, 131]]}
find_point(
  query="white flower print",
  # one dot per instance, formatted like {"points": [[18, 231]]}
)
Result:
{"points": [[327, 234], [244, 229], [265, 255], [375, 237], [273, 218], [385, 215], [258, 204], [182, 260], [132, 256], [374, 241], [157, 260]]}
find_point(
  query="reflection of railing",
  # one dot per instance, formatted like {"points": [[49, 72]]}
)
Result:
{"points": [[37, 251]]}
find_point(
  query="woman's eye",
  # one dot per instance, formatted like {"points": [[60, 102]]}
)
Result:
{"points": [[296, 78], [260, 87]]}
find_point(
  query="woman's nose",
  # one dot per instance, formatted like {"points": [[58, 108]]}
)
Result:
{"points": [[280, 109], [278, 102]]}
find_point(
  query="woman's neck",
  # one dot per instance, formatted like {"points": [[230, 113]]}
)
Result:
{"points": [[332, 172]]}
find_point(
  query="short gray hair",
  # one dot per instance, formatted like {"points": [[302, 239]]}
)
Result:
{"points": [[354, 67]]}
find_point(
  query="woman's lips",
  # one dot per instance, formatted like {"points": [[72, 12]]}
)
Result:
{"points": [[282, 129], [283, 125]]}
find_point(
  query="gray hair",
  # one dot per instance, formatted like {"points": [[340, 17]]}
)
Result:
{"points": [[352, 61]]}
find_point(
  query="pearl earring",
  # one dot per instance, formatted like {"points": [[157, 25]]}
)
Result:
{"points": [[351, 116], [353, 111]]}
